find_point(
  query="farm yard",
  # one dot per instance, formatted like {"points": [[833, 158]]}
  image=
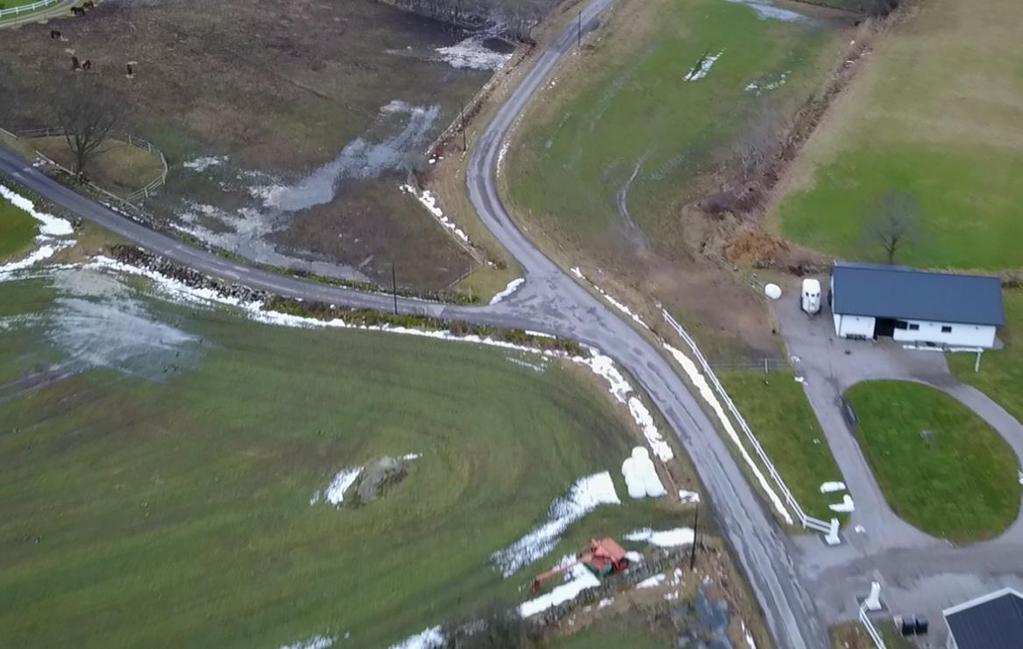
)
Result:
{"points": [[288, 129], [613, 157], [925, 120]]}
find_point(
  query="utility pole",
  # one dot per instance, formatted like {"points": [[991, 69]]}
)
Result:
{"points": [[394, 288], [465, 136], [696, 534], [579, 33]]}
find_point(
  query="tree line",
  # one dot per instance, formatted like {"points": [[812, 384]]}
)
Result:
{"points": [[513, 18]]}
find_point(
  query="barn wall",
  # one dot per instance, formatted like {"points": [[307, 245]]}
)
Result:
{"points": [[855, 326], [962, 335]]}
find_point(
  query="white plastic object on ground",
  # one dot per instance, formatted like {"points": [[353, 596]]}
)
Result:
{"points": [[688, 496], [641, 475], [847, 505], [772, 291]]}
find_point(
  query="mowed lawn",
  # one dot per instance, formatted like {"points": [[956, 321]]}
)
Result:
{"points": [[1001, 371], [176, 512], [17, 229], [622, 128], [780, 416], [942, 468], [936, 114]]}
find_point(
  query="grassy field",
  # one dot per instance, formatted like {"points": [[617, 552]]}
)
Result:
{"points": [[17, 229], [935, 114], [783, 421], [170, 505], [581, 145], [1001, 371], [940, 466], [117, 167]]}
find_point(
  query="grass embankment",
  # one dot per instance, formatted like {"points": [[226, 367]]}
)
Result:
{"points": [[615, 634], [935, 114], [783, 421], [1001, 371], [941, 467], [117, 166], [17, 229], [138, 513], [623, 108]]}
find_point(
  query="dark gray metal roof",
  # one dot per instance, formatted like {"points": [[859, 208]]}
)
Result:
{"points": [[992, 623], [908, 294]]}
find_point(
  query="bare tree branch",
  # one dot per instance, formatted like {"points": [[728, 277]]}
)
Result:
{"points": [[88, 113], [895, 223]]}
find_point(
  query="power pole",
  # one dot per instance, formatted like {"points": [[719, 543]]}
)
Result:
{"points": [[394, 288], [465, 136], [696, 534], [579, 33]]}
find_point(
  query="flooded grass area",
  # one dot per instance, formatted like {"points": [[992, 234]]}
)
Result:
{"points": [[309, 109]]}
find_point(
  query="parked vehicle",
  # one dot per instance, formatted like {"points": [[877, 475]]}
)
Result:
{"points": [[810, 296]]}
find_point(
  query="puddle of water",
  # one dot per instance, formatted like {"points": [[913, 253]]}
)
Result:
{"points": [[767, 10]]}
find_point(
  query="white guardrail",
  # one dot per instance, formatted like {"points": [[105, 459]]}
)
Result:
{"points": [[830, 529], [26, 9], [871, 629]]}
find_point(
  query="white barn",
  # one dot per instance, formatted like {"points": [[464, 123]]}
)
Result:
{"points": [[915, 307]]}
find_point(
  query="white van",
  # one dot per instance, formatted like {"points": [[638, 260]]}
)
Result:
{"points": [[810, 297]]}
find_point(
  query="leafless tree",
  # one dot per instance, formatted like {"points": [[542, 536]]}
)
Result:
{"points": [[894, 223], [87, 112]]}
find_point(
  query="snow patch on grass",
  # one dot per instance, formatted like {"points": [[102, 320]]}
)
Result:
{"points": [[202, 163], [473, 54], [765, 10], [427, 200], [508, 290], [702, 67], [431, 638], [335, 491], [316, 642], [580, 578], [664, 538], [652, 582], [831, 487], [688, 496], [49, 225], [585, 495]]}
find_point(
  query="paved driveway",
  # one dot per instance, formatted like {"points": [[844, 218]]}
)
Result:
{"points": [[921, 574]]}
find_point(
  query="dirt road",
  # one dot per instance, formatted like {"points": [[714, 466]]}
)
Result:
{"points": [[551, 302]]}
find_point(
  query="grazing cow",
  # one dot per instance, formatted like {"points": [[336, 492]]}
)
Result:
{"points": [[87, 65], [131, 70], [74, 62], [89, 4], [55, 35], [78, 11]]}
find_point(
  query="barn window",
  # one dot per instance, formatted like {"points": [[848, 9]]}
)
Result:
{"points": [[901, 324], [914, 327], [946, 329]]}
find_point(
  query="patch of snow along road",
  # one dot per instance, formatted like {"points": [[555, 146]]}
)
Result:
{"points": [[832, 487], [427, 200], [49, 225], [846, 506], [705, 391], [585, 495], [622, 391], [508, 290]]}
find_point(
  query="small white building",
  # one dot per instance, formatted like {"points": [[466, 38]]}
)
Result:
{"points": [[916, 307]]}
